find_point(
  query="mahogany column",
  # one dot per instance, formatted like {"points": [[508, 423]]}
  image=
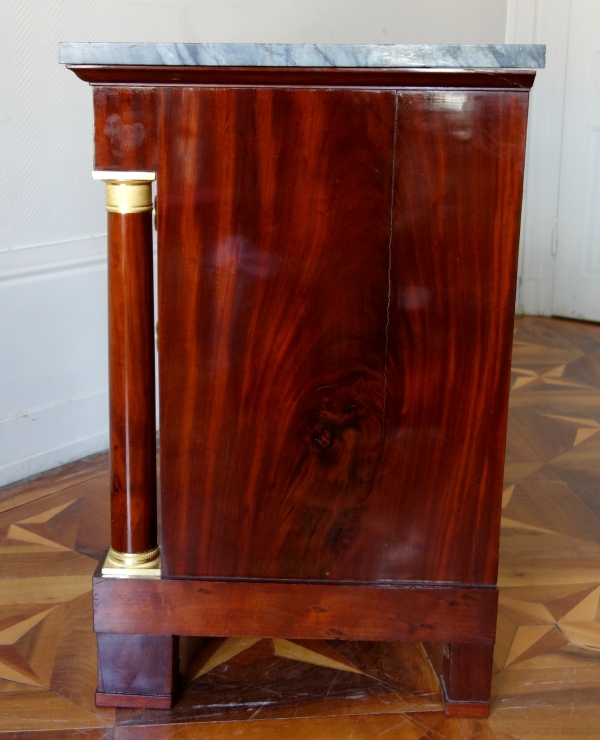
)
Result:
{"points": [[131, 371]]}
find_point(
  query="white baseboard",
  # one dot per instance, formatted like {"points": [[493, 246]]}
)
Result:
{"points": [[54, 356], [53, 345], [47, 437], [534, 297]]}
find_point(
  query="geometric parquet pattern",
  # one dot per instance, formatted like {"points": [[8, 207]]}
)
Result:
{"points": [[546, 686]]}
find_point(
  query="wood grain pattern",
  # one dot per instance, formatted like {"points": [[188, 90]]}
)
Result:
{"points": [[419, 726], [459, 169], [333, 394], [302, 77], [131, 374], [230, 677], [31, 489], [297, 611], [274, 218]]}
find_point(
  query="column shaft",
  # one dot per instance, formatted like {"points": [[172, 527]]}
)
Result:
{"points": [[132, 384]]}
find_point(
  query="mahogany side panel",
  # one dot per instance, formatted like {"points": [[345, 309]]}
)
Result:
{"points": [[132, 387], [125, 129], [294, 610], [334, 398], [303, 77], [457, 201], [274, 228]]}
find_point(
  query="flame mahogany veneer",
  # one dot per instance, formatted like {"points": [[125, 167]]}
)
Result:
{"points": [[336, 287]]}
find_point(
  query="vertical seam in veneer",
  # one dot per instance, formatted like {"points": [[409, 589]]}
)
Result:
{"points": [[389, 297]]}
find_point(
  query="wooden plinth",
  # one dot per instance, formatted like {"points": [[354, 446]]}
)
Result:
{"points": [[144, 613]]}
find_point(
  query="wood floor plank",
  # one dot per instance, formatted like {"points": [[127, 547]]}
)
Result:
{"points": [[364, 727], [75, 668], [23, 562], [58, 479], [480, 730], [98, 486], [43, 710]]}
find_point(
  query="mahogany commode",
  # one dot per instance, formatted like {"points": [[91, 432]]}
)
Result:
{"points": [[338, 231]]}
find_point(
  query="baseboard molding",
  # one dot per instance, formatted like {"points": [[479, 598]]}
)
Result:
{"points": [[47, 261], [46, 437], [534, 298], [54, 408], [54, 405]]}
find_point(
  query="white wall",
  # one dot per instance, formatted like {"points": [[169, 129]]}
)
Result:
{"points": [[541, 22], [53, 364]]}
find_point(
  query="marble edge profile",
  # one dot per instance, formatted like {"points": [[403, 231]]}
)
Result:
{"points": [[461, 56]]}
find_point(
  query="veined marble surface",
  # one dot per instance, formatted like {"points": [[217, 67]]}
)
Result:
{"points": [[463, 56]]}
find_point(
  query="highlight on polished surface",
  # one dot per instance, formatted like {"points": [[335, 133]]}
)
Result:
{"points": [[131, 372]]}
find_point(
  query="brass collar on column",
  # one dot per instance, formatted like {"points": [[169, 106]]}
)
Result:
{"points": [[134, 196], [127, 192]]}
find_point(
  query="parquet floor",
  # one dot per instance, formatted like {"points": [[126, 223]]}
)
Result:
{"points": [[547, 659]]}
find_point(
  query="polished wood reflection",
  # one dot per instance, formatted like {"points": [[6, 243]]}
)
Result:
{"points": [[295, 610], [274, 220], [457, 201], [334, 355], [131, 387], [300, 77]]}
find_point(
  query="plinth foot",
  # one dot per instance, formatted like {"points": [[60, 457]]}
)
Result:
{"points": [[477, 709], [466, 680], [465, 675], [136, 670]]}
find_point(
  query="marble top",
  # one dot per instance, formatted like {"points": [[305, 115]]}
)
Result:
{"points": [[462, 56]]}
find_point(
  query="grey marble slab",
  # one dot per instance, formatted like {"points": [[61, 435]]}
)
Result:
{"points": [[463, 56]]}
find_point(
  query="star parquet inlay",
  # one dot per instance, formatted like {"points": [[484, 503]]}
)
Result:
{"points": [[546, 684]]}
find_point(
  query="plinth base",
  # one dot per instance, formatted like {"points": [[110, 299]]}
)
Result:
{"points": [[136, 620]]}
